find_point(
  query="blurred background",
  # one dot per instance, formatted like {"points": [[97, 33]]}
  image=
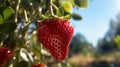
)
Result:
{"points": [[96, 41]]}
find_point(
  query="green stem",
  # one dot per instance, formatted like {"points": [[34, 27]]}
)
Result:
{"points": [[54, 6], [1, 43], [17, 56], [41, 56], [28, 24], [16, 14], [51, 10], [16, 10], [25, 32], [25, 14]]}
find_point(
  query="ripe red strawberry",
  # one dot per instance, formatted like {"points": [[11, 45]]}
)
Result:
{"points": [[39, 65], [5, 55], [55, 35]]}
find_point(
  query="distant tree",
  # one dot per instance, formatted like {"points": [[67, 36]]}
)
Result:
{"points": [[79, 44], [107, 43]]}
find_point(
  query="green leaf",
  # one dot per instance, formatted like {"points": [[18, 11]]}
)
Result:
{"points": [[117, 40], [36, 51], [81, 3], [72, 2], [45, 52], [34, 46], [42, 16], [67, 6], [76, 16], [60, 12], [1, 20], [26, 56], [7, 27], [7, 13], [68, 16]]}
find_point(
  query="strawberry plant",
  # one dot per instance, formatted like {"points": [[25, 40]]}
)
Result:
{"points": [[36, 31]]}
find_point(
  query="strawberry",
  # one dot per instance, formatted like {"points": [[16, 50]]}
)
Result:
{"points": [[39, 65], [55, 34], [5, 55]]}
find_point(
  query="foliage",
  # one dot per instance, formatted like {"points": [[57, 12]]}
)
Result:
{"points": [[117, 40], [110, 41], [79, 44], [18, 21]]}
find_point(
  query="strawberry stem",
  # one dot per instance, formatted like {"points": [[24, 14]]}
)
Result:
{"points": [[51, 9], [54, 6]]}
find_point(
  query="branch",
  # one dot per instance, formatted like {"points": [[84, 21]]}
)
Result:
{"points": [[16, 10]]}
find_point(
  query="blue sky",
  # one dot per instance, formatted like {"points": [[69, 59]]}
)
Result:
{"points": [[96, 17]]}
